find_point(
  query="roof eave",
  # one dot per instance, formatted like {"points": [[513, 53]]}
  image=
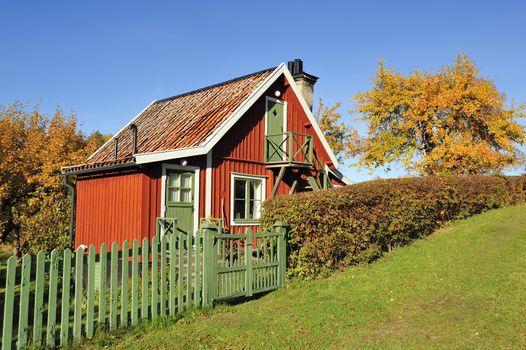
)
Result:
{"points": [[65, 170]]}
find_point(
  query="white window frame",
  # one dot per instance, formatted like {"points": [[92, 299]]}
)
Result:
{"points": [[233, 177]]}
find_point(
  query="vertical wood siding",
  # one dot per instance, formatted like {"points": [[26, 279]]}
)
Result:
{"points": [[109, 208]]}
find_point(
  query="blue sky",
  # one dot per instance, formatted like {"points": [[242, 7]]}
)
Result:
{"points": [[106, 60]]}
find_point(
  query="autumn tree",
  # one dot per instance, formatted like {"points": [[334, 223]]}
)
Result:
{"points": [[34, 203], [339, 135], [453, 121]]}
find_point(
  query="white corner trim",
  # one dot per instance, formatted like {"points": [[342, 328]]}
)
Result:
{"points": [[208, 187], [233, 176], [122, 129], [196, 171]]}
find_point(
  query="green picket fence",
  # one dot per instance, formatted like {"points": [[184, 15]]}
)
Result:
{"points": [[51, 300]]}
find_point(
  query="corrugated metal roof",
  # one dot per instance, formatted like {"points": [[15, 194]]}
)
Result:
{"points": [[177, 122]]}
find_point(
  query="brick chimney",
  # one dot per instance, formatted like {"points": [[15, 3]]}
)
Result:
{"points": [[305, 81]]}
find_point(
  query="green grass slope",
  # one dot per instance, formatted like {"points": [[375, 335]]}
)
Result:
{"points": [[463, 287]]}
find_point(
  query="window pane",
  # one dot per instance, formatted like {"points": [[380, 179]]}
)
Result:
{"points": [[186, 181], [239, 189], [239, 209], [172, 181], [173, 194], [186, 195]]}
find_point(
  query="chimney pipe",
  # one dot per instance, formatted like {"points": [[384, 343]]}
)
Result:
{"points": [[116, 148], [305, 81], [133, 128]]}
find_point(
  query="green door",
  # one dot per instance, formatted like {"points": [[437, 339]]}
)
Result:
{"points": [[276, 148], [179, 199]]}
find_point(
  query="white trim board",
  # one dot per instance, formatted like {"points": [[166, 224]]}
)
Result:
{"points": [[196, 171], [222, 129], [208, 189]]}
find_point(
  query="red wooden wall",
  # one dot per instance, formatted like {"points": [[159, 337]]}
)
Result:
{"points": [[111, 207]]}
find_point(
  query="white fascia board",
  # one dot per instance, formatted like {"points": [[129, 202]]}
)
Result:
{"points": [[339, 175], [143, 158], [213, 139], [310, 116], [123, 128]]}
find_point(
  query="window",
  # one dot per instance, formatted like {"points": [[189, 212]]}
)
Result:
{"points": [[247, 196], [180, 187]]}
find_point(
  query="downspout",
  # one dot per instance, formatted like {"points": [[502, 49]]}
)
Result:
{"points": [[73, 210]]}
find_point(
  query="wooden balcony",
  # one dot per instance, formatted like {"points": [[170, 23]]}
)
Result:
{"points": [[290, 149]]}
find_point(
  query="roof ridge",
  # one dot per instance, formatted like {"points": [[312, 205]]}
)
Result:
{"points": [[215, 85]]}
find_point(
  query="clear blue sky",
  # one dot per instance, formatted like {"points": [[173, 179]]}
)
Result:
{"points": [[106, 60]]}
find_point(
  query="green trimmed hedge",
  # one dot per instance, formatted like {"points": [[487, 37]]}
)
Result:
{"points": [[353, 224]]}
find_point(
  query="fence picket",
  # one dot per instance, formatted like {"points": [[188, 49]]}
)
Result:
{"points": [[188, 271], [66, 283], [52, 299], [9, 304], [145, 258], [180, 274], [114, 269], [163, 289], [248, 261], [197, 278], [155, 277], [23, 309], [173, 266], [90, 303], [135, 284], [79, 274], [103, 257], [125, 259], [38, 309]]}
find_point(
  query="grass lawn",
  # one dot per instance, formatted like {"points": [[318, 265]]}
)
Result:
{"points": [[463, 287]]}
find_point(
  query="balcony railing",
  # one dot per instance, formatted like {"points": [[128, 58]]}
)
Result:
{"points": [[290, 148]]}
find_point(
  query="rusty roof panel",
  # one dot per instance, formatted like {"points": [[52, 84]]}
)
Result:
{"points": [[182, 121]]}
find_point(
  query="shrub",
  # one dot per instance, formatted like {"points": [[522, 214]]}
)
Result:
{"points": [[348, 225]]}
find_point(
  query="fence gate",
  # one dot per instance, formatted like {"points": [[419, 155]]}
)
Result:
{"points": [[242, 264]]}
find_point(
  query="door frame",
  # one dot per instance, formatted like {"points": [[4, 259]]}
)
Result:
{"points": [[284, 103], [197, 193]]}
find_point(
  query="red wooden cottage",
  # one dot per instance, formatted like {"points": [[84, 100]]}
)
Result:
{"points": [[215, 152]]}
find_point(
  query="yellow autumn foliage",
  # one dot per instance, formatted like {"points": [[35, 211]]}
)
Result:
{"points": [[339, 136], [453, 122], [34, 203]]}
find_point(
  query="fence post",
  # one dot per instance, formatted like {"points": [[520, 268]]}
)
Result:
{"points": [[209, 264], [282, 228], [248, 261]]}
